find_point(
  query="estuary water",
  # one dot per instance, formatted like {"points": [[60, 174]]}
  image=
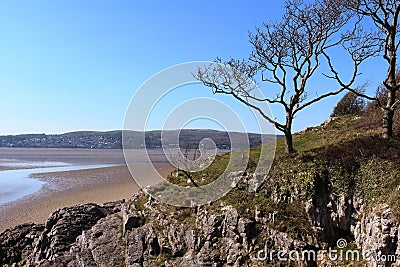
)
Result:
{"points": [[15, 184]]}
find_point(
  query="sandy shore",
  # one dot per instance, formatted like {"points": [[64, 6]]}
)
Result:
{"points": [[71, 188]]}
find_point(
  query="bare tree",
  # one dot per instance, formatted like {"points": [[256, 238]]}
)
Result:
{"points": [[188, 161], [183, 163], [384, 14], [286, 54]]}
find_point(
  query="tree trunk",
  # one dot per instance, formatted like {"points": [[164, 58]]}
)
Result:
{"points": [[188, 175], [390, 84], [289, 142], [388, 110], [387, 123], [288, 133]]}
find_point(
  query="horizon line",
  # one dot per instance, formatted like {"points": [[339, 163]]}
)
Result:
{"points": [[117, 130]]}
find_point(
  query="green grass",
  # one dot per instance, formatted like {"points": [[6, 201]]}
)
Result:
{"points": [[334, 158], [339, 157], [339, 130]]}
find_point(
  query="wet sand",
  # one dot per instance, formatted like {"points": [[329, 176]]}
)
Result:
{"points": [[80, 156], [74, 187]]}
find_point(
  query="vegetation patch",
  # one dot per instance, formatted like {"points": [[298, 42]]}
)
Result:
{"points": [[334, 158]]}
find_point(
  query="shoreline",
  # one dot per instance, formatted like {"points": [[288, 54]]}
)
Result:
{"points": [[71, 188]]}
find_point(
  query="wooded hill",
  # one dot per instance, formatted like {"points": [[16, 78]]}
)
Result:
{"points": [[133, 139]]}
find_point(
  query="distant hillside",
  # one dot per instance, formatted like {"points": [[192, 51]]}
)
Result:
{"points": [[113, 139]]}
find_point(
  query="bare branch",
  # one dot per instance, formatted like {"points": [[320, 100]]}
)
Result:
{"points": [[384, 14], [287, 53], [318, 99]]}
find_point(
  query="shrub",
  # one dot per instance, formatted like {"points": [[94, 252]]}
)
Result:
{"points": [[349, 104]]}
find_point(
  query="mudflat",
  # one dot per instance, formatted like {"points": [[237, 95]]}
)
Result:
{"points": [[70, 188], [78, 156]]}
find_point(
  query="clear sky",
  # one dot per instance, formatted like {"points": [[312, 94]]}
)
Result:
{"points": [[75, 65]]}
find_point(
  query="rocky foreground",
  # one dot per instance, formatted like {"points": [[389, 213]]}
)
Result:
{"points": [[143, 232]]}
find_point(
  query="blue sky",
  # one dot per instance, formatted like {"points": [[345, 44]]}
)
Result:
{"points": [[75, 65]]}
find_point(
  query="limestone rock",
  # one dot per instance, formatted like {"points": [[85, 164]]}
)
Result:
{"points": [[152, 234]]}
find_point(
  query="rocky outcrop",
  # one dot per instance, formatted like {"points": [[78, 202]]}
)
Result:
{"points": [[143, 232], [102, 245], [377, 235], [375, 232], [331, 217], [44, 245], [18, 243], [123, 235]]}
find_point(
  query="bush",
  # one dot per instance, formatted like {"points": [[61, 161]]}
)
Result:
{"points": [[374, 113], [349, 104]]}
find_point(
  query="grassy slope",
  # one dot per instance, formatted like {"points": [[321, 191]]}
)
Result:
{"points": [[343, 156], [339, 157]]}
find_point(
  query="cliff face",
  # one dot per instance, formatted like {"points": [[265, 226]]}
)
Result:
{"points": [[143, 232], [374, 232], [121, 235]]}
